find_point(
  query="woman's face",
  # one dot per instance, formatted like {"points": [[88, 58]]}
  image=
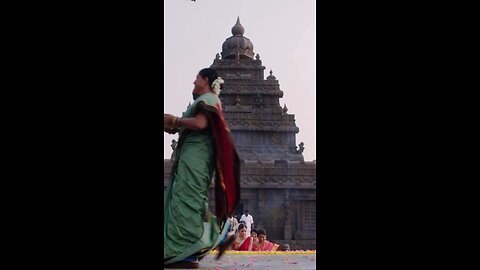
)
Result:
{"points": [[243, 232], [254, 235], [262, 238], [200, 83]]}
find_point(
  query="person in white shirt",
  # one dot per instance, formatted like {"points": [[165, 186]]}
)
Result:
{"points": [[234, 222], [248, 219]]}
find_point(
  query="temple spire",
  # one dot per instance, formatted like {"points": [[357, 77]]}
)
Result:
{"points": [[237, 46], [237, 29]]}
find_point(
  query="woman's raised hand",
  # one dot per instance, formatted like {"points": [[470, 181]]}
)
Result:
{"points": [[168, 124]]}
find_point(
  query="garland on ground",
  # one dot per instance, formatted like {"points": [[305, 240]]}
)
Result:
{"points": [[268, 252]]}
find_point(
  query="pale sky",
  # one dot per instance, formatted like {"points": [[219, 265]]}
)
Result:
{"points": [[282, 32]]}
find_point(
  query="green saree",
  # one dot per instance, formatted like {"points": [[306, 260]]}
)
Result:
{"points": [[190, 229]]}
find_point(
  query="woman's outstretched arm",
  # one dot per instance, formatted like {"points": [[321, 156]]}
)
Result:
{"points": [[196, 123]]}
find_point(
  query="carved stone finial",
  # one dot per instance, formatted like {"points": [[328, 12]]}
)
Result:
{"points": [[300, 148], [271, 77], [237, 29], [237, 46], [285, 109], [257, 57], [217, 57]]}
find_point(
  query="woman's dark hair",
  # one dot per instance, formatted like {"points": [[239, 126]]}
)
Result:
{"points": [[241, 226], [261, 231], [254, 231], [210, 74], [285, 247]]}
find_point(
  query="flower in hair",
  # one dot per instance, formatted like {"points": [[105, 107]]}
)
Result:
{"points": [[216, 85]]}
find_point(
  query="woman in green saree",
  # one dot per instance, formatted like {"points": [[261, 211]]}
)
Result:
{"points": [[205, 150]]}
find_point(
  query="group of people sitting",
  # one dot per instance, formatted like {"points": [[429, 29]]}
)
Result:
{"points": [[257, 241], [249, 239]]}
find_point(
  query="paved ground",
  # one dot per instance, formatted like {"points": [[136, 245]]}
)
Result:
{"points": [[260, 261]]}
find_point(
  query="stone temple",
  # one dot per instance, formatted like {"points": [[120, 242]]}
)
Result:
{"points": [[277, 186]]}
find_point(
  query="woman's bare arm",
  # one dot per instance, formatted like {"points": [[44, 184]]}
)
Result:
{"points": [[196, 123], [199, 122]]}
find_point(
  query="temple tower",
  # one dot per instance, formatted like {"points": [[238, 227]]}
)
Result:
{"points": [[261, 128]]}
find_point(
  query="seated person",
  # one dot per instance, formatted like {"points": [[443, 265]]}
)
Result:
{"points": [[255, 239], [242, 241], [263, 244]]}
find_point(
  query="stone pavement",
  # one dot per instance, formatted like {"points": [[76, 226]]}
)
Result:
{"points": [[260, 261]]}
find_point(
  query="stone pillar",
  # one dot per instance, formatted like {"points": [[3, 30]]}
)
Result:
{"points": [[258, 221], [287, 231]]}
